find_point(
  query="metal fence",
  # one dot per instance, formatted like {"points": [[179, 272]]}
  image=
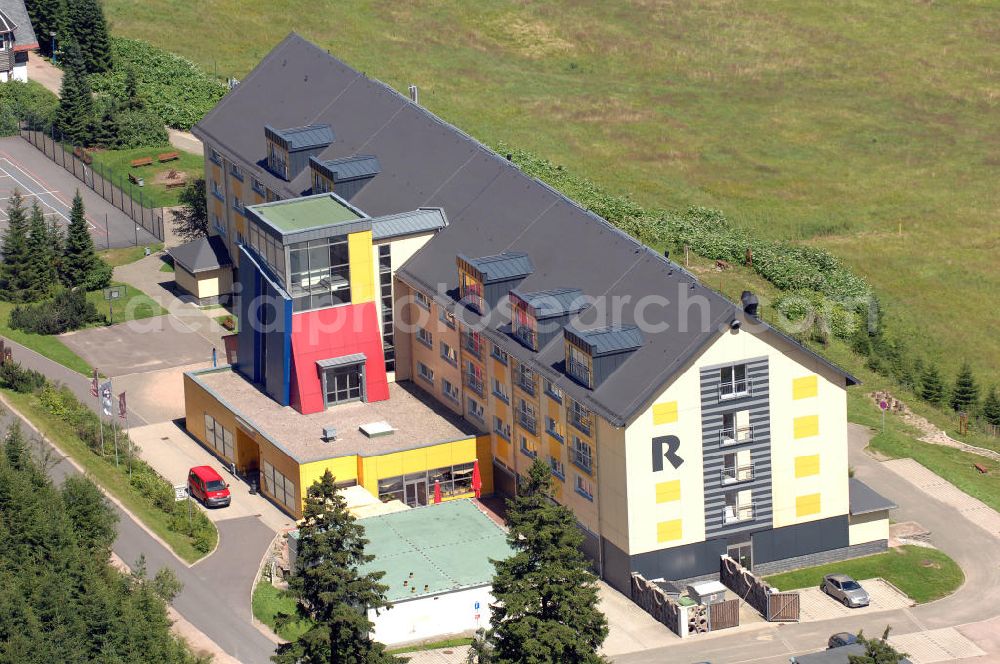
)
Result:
{"points": [[114, 188]]}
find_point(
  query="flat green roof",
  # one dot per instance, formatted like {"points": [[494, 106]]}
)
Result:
{"points": [[445, 547], [300, 214]]}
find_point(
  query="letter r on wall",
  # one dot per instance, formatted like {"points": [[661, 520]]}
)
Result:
{"points": [[673, 444]]}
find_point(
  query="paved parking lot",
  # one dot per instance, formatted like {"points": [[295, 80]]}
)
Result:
{"points": [[936, 645], [817, 605]]}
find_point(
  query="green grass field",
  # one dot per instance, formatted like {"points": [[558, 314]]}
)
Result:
{"points": [[835, 124], [117, 165], [267, 602], [126, 255], [923, 574]]}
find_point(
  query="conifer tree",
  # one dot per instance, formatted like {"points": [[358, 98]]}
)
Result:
{"points": [[931, 388], [107, 129], [14, 287], [546, 596], [877, 651], [132, 100], [965, 394], [46, 17], [57, 245], [41, 266], [91, 515], [87, 26], [991, 407], [331, 590], [75, 113], [79, 258]]}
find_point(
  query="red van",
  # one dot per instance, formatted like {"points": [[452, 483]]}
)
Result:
{"points": [[206, 485]]}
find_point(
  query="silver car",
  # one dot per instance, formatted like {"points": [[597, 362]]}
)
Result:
{"points": [[844, 588]]}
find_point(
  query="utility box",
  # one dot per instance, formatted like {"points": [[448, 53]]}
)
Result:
{"points": [[707, 592]]}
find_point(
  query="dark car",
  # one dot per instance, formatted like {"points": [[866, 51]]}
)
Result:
{"points": [[207, 486], [841, 639], [844, 588]]}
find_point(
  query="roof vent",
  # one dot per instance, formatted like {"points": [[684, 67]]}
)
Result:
{"points": [[750, 303], [329, 434], [376, 429]]}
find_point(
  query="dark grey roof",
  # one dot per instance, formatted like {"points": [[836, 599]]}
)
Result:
{"points": [[349, 168], [421, 220], [492, 207], [865, 500], [304, 138], [608, 340], [553, 302], [202, 254], [342, 361], [504, 266], [14, 16], [839, 655]]}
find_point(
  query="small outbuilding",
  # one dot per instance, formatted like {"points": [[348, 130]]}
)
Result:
{"points": [[203, 269], [869, 515]]}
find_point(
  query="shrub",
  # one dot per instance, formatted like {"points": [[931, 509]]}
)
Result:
{"points": [[140, 128], [15, 377], [28, 102], [68, 310], [99, 276]]}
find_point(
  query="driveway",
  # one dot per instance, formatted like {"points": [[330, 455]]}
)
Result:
{"points": [[814, 604]]}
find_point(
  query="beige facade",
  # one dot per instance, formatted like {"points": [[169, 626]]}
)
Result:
{"points": [[872, 527], [207, 286]]}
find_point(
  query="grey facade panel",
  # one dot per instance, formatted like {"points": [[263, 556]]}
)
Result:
{"points": [[822, 557], [681, 562], [800, 540], [348, 189], [616, 568]]}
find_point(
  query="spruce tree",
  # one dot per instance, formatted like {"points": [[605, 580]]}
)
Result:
{"points": [[877, 651], [965, 394], [46, 17], [107, 129], [991, 407], [546, 596], [930, 384], [79, 258], [75, 113], [132, 101], [14, 287], [41, 270], [332, 592], [87, 26], [91, 515]]}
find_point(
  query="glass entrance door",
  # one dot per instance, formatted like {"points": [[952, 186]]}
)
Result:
{"points": [[742, 553], [415, 491]]}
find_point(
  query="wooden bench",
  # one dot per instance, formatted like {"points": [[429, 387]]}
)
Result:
{"points": [[168, 156], [83, 155], [980, 467], [142, 161], [174, 185]]}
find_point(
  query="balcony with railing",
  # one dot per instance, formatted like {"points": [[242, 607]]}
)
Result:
{"points": [[735, 474], [735, 389], [473, 344], [736, 435], [580, 420], [526, 383], [527, 422], [581, 460], [737, 513], [473, 382]]}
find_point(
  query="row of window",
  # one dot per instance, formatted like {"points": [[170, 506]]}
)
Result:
{"points": [[454, 481], [278, 486], [385, 293], [219, 437]]}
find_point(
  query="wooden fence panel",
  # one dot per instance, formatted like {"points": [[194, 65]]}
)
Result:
{"points": [[783, 607], [724, 615]]}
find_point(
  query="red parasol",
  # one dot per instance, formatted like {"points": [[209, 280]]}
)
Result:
{"points": [[437, 492], [477, 481]]}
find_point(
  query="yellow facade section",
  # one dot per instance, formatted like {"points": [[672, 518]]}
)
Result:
{"points": [[419, 460], [668, 531], [805, 387], [665, 413], [808, 504], [343, 469], [807, 465], [667, 492], [806, 426], [359, 251]]}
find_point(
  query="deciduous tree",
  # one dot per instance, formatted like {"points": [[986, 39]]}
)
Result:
{"points": [[877, 651], [191, 220], [546, 596]]}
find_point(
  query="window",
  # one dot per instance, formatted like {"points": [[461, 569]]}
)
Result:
{"points": [[454, 481], [739, 506], [578, 365], [474, 378], [736, 428], [473, 342], [218, 437], [526, 415], [500, 354], [581, 455], [278, 486], [385, 293], [737, 467], [471, 292], [475, 409], [579, 417], [422, 300], [319, 273], [500, 390], [584, 487], [343, 384], [528, 447], [554, 429], [425, 372], [425, 337], [236, 171], [501, 428], [277, 160], [218, 225], [258, 186], [449, 354], [733, 381], [554, 392], [525, 378], [390, 488], [524, 327], [238, 205], [216, 158], [449, 390], [447, 318], [217, 191], [320, 184], [558, 469]]}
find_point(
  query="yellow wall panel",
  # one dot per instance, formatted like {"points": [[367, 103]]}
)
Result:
{"points": [[343, 469], [359, 251], [805, 387], [806, 426], [806, 505], [807, 465], [668, 491], [668, 531], [665, 413]]}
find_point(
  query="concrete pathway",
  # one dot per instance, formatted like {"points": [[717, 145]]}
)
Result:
{"points": [[186, 141]]}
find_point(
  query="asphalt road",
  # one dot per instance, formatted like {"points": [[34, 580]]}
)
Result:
{"points": [[971, 547], [216, 594]]}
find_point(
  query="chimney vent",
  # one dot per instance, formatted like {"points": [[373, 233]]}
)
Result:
{"points": [[414, 94], [750, 303], [329, 434]]}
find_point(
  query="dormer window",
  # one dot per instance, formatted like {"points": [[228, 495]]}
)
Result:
{"points": [[470, 291], [524, 325], [593, 355], [579, 365], [289, 150], [483, 282], [538, 317]]}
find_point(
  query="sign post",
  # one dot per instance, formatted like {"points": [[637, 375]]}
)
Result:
{"points": [[107, 397], [180, 495], [111, 294], [884, 406]]}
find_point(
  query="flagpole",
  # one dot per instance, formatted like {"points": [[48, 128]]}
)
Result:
{"points": [[96, 391]]}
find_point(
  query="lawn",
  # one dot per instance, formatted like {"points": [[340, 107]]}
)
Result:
{"points": [[268, 602], [136, 305], [116, 165], [923, 574], [106, 475], [48, 346], [833, 124], [126, 255]]}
